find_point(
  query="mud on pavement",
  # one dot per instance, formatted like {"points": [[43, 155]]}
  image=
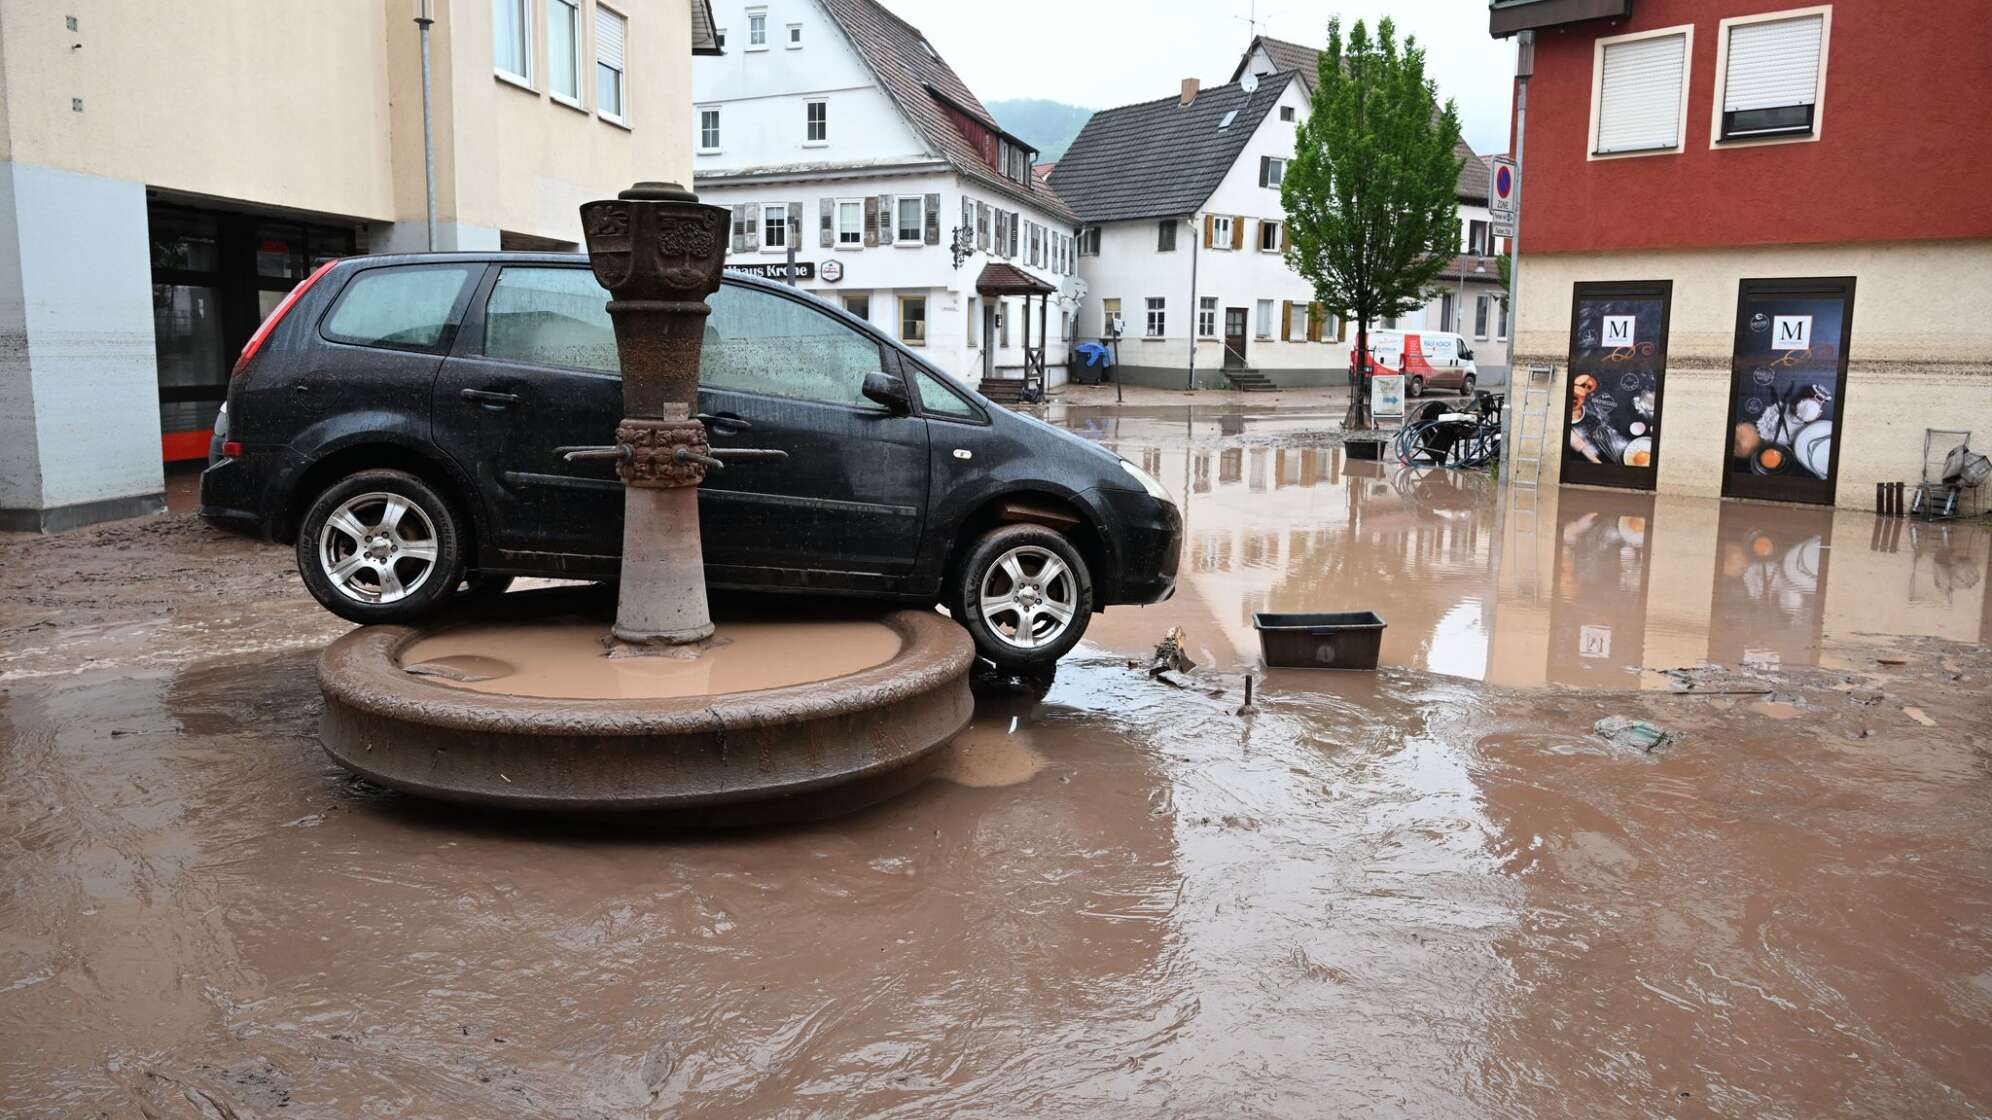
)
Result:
{"points": [[1403, 893]]}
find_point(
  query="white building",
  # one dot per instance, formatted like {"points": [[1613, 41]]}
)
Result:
{"points": [[1470, 301], [835, 125]]}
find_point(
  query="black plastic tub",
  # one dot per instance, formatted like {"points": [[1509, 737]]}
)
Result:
{"points": [[1335, 640], [1356, 449]]}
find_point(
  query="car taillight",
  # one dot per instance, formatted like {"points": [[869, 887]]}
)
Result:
{"points": [[269, 324], [231, 449]]}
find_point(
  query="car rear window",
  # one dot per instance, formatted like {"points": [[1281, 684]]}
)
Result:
{"points": [[550, 317], [403, 308]]}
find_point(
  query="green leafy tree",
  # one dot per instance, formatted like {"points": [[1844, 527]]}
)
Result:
{"points": [[1369, 196]]}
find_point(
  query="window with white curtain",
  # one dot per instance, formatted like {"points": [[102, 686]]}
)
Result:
{"points": [[611, 39], [1206, 316], [1641, 89], [511, 39], [851, 222], [563, 50], [1263, 326], [1770, 76]]}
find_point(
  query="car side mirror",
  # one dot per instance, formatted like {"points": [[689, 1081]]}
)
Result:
{"points": [[1466, 355], [889, 390]]}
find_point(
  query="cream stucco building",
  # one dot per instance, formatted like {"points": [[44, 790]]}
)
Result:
{"points": [[169, 172]]}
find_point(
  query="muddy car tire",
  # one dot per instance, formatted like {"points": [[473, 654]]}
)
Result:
{"points": [[1466, 387], [380, 546], [1414, 387], [1025, 595]]}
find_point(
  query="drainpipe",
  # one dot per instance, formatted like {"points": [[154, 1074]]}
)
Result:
{"points": [[425, 15], [1196, 243]]}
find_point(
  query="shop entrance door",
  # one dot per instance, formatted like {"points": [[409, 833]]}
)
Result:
{"points": [[215, 275], [1787, 379], [1618, 369]]}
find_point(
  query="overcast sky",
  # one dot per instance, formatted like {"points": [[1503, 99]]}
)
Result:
{"points": [[1099, 53]]}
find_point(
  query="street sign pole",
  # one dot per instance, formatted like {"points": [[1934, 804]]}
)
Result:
{"points": [[1524, 68]]}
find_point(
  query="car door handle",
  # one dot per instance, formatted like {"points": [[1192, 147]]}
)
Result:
{"points": [[487, 398]]}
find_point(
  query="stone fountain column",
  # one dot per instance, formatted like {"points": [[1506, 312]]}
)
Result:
{"points": [[659, 252]]}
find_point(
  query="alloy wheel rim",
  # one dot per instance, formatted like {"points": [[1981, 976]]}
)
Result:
{"points": [[377, 548], [1029, 597]]}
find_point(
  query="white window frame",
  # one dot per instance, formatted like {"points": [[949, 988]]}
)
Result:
{"points": [[1263, 312], [1275, 172], [1483, 316], [1686, 31], [807, 105], [1155, 319], [926, 323], [974, 320], [1501, 318], [525, 80], [1715, 140], [1274, 224], [621, 117], [920, 230], [752, 15], [767, 216], [1206, 316], [718, 129], [792, 37], [837, 219], [581, 71], [1220, 231]]}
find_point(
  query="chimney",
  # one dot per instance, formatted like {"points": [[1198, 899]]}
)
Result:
{"points": [[1189, 92]]}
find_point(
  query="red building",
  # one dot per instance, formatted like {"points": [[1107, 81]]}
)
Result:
{"points": [[1754, 239]]}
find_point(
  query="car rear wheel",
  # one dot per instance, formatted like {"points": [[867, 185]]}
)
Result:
{"points": [[1414, 387], [1025, 596], [1466, 386], [380, 546]]}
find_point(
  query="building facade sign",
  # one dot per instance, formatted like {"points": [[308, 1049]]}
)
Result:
{"points": [[780, 270], [1612, 401], [1788, 376]]}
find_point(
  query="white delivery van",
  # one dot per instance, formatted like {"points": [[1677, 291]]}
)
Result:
{"points": [[1427, 359]]}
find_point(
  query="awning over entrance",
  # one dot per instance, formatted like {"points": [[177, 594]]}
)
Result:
{"points": [[1009, 280]]}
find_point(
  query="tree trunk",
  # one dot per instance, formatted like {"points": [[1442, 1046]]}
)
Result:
{"points": [[1357, 419]]}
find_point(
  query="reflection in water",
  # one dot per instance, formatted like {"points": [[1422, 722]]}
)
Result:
{"points": [[1592, 588]]}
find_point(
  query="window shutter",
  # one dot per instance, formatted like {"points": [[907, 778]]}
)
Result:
{"points": [[1286, 320], [827, 237], [871, 222], [1313, 322], [609, 38], [1265, 170], [933, 228], [1773, 65], [1639, 95], [1238, 231], [885, 219], [982, 226], [739, 227], [967, 212], [1283, 235], [753, 226], [1210, 229], [1014, 217]]}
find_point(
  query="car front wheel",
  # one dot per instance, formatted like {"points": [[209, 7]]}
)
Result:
{"points": [[1415, 387], [1025, 596], [1466, 386], [380, 546]]}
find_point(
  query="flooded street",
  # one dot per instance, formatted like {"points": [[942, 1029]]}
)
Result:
{"points": [[1429, 891]]}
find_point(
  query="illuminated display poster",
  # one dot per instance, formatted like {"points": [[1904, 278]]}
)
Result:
{"points": [[1618, 367], [1788, 379]]}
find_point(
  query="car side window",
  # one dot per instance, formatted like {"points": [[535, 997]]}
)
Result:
{"points": [[550, 317], [937, 400], [400, 308], [759, 342]]}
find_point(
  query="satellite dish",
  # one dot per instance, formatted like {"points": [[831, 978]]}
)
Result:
{"points": [[1249, 83], [1072, 288]]}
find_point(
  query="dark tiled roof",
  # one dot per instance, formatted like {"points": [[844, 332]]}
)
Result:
{"points": [[1285, 56], [999, 279], [912, 73], [1307, 61], [1159, 159]]}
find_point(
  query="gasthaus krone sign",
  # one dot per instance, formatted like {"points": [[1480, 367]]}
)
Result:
{"points": [[1788, 377], [1618, 366]]}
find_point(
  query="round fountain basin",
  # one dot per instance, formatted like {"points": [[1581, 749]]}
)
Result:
{"points": [[528, 712]]}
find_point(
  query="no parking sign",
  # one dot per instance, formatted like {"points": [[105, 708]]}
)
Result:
{"points": [[1503, 194]]}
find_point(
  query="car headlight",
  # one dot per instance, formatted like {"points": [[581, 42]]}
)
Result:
{"points": [[1155, 489]]}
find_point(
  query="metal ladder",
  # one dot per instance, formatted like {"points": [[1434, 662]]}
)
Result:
{"points": [[1525, 455]]}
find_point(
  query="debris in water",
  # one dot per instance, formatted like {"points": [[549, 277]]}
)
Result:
{"points": [[1170, 655], [1632, 733]]}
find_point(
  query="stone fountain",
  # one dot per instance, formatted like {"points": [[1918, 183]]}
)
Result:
{"points": [[539, 709]]}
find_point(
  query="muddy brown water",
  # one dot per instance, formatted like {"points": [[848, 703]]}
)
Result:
{"points": [[564, 658], [1426, 891]]}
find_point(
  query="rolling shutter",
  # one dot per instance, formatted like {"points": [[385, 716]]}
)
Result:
{"points": [[1639, 95], [1773, 65], [609, 39]]}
